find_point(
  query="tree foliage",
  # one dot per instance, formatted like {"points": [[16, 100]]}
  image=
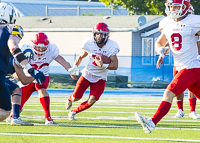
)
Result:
{"points": [[141, 7]]}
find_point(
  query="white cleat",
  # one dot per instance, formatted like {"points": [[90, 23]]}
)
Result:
{"points": [[68, 104], [193, 115], [9, 119], [20, 122], [48, 121], [147, 125], [71, 115], [179, 114]]}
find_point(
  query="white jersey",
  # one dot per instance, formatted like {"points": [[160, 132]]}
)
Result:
{"points": [[92, 72], [42, 64], [163, 23], [183, 42]]}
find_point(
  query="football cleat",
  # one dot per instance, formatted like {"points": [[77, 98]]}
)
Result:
{"points": [[71, 115], [20, 122], [147, 125], [68, 104], [193, 115], [179, 114], [48, 121], [9, 119]]}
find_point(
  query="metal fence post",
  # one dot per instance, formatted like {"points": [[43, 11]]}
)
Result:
{"points": [[46, 10], [111, 12], [78, 9]]}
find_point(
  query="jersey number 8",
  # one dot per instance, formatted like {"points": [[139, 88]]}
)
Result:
{"points": [[176, 41]]}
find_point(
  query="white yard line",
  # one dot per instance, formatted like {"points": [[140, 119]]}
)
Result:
{"points": [[111, 107], [108, 137]]}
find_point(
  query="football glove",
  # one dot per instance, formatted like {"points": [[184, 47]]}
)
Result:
{"points": [[38, 75], [73, 70]]}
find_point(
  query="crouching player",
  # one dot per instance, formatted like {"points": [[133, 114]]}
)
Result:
{"points": [[44, 53]]}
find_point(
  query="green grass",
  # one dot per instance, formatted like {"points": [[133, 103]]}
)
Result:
{"points": [[99, 125]]}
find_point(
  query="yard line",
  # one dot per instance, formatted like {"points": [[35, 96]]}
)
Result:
{"points": [[100, 126], [114, 107], [122, 104], [131, 117], [112, 112], [108, 137]]}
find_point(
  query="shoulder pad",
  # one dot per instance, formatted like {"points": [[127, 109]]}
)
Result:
{"points": [[18, 31]]}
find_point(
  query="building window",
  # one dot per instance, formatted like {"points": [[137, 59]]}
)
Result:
{"points": [[147, 51], [147, 46]]}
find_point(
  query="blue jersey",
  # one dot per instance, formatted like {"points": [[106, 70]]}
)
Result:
{"points": [[5, 55]]}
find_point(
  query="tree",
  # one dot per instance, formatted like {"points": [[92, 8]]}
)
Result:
{"points": [[196, 5], [141, 7]]}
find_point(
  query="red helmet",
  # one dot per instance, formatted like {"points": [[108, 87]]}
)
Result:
{"points": [[101, 28], [184, 7], [40, 43], [191, 9]]}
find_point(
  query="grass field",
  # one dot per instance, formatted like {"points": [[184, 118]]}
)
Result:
{"points": [[111, 119]]}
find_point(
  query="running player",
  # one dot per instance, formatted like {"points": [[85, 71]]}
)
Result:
{"points": [[95, 73]]}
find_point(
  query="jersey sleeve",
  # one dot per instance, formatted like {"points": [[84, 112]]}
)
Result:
{"points": [[55, 50], [84, 45], [115, 49], [17, 31]]}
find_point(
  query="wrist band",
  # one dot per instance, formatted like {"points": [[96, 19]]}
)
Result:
{"points": [[105, 66], [27, 66], [161, 56]]}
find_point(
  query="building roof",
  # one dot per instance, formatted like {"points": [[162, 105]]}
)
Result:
{"points": [[62, 8], [79, 23]]}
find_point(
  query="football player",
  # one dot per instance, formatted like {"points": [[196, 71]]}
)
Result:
{"points": [[182, 33], [15, 67], [44, 53], [192, 99], [94, 75], [10, 35]]}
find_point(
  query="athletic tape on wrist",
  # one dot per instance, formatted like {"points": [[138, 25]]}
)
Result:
{"points": [[161, 56], [105, 66]]}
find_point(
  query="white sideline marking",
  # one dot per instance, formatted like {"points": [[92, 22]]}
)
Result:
{"points": [[110, 137]]}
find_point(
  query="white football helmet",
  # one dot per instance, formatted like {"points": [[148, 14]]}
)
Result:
{"points": [[7, 14], [27, 50]]}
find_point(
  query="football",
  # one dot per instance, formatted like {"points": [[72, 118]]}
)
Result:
{"points": [[106, 60]]}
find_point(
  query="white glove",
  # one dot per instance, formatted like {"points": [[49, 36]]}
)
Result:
{"points": [[73, 70]]}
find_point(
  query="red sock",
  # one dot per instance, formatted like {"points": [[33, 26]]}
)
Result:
{"points": [[192, 102], [23, 100], [82, 107], [180, 104], [70, 97], [45, 101], [162, 110]]}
